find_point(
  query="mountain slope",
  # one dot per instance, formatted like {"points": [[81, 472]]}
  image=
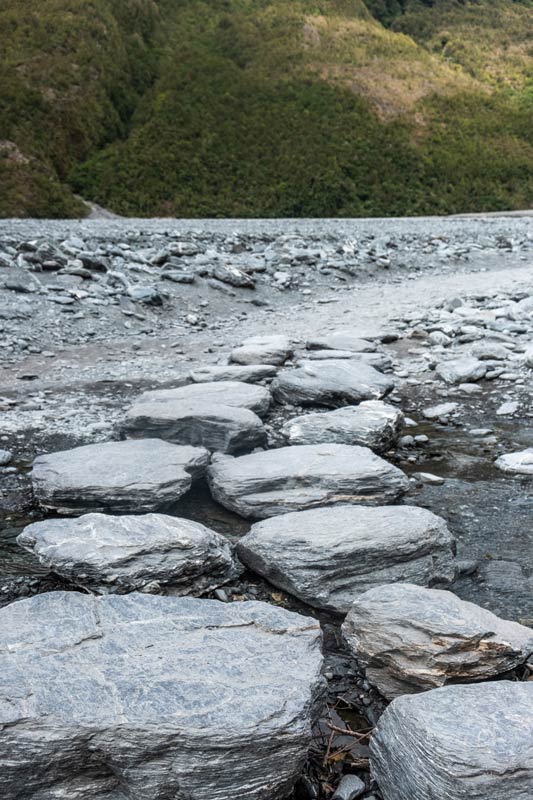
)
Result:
{"points": [[269, 107]]}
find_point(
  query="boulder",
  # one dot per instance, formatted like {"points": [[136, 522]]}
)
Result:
{"points": [[134, 476], [372, 424], [379, 361], [121, 554], [328, 556], [458, 742], [136, 696], [254, 373], [520, 463], [274, 349], [234, 276], [330, 383], [275, 482], [462, 370], [223, 393], [341, 340], [410, 638], [228, 429]]}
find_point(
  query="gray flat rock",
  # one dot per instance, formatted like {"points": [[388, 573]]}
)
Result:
{"points": [[330, 383], [224, 393], [410, 639], [372, 424], [341, 340], [134, 476], [275, 349], [253, 373], [275, 482], [462, 370], [135, 696], [459, 742], [228, 429], [380, 361], [520, 463], [328, 556], [122, 554]]}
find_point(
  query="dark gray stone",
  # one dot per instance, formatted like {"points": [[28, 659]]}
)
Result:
{"points": [[296, 478], [330, 383], [328, 556], [135, 696]]}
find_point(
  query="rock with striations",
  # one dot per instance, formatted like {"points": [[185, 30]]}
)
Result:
{"points": [[138, 696], [462, 370], [520, 463], [459, 743], [341, 340], [221, 393], [410, 639], [328, 556], [372, 424], [136, 476], [337, 382], [125, 553], [253, 373], [275, 349], [227, 429], [274, 482], [234, 276]]}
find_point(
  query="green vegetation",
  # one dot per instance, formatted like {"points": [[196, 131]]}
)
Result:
{"points": [[266, 107]]}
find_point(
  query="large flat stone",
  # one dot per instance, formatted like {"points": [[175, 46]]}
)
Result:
{"points": [[457, 743], [411, 638], [274, 482], [253, 373], [462, 370], [122, 554], [228, 429], [341, 340], [134, 476], [373, 424], [334, 382], [520, 463], [380, 361], [274, 349], [329, 556], [225, 393], [138, 697]]}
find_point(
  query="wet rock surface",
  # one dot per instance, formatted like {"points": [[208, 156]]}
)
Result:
{"points": [[410, 638], [128, 553], [465, 742], [297, 478], [329, 556], [162, 691]]}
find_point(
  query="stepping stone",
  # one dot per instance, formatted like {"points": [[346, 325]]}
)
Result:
{"points": [[121, 554], [462, 370], [150, 697], [379, 361], [253, 373], [228, 429], [134, 476], [330, 383], [274, 349], [219, 393], [372, 424], [341, 340], [275, 482], [460, 742], [328, 556], [520, 463], [411, 639]]}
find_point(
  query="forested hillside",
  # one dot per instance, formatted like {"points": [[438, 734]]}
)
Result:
{"points": [[266, 107]]}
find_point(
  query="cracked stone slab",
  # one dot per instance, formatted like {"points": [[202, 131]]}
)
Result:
{"points": [[138, 475], [328, 556], [335, 382], [201, 423], [410, 638], [273, 482], [125, 553], [138, 697], [225, 393], [462, 742], [372, 424]]}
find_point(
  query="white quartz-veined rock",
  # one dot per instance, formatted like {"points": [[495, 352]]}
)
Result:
{"points": [[253, 373], [125, 553], [411, 638], [520, 463], [274, 482], [137, 696], [137, 476], [328, 556]]}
